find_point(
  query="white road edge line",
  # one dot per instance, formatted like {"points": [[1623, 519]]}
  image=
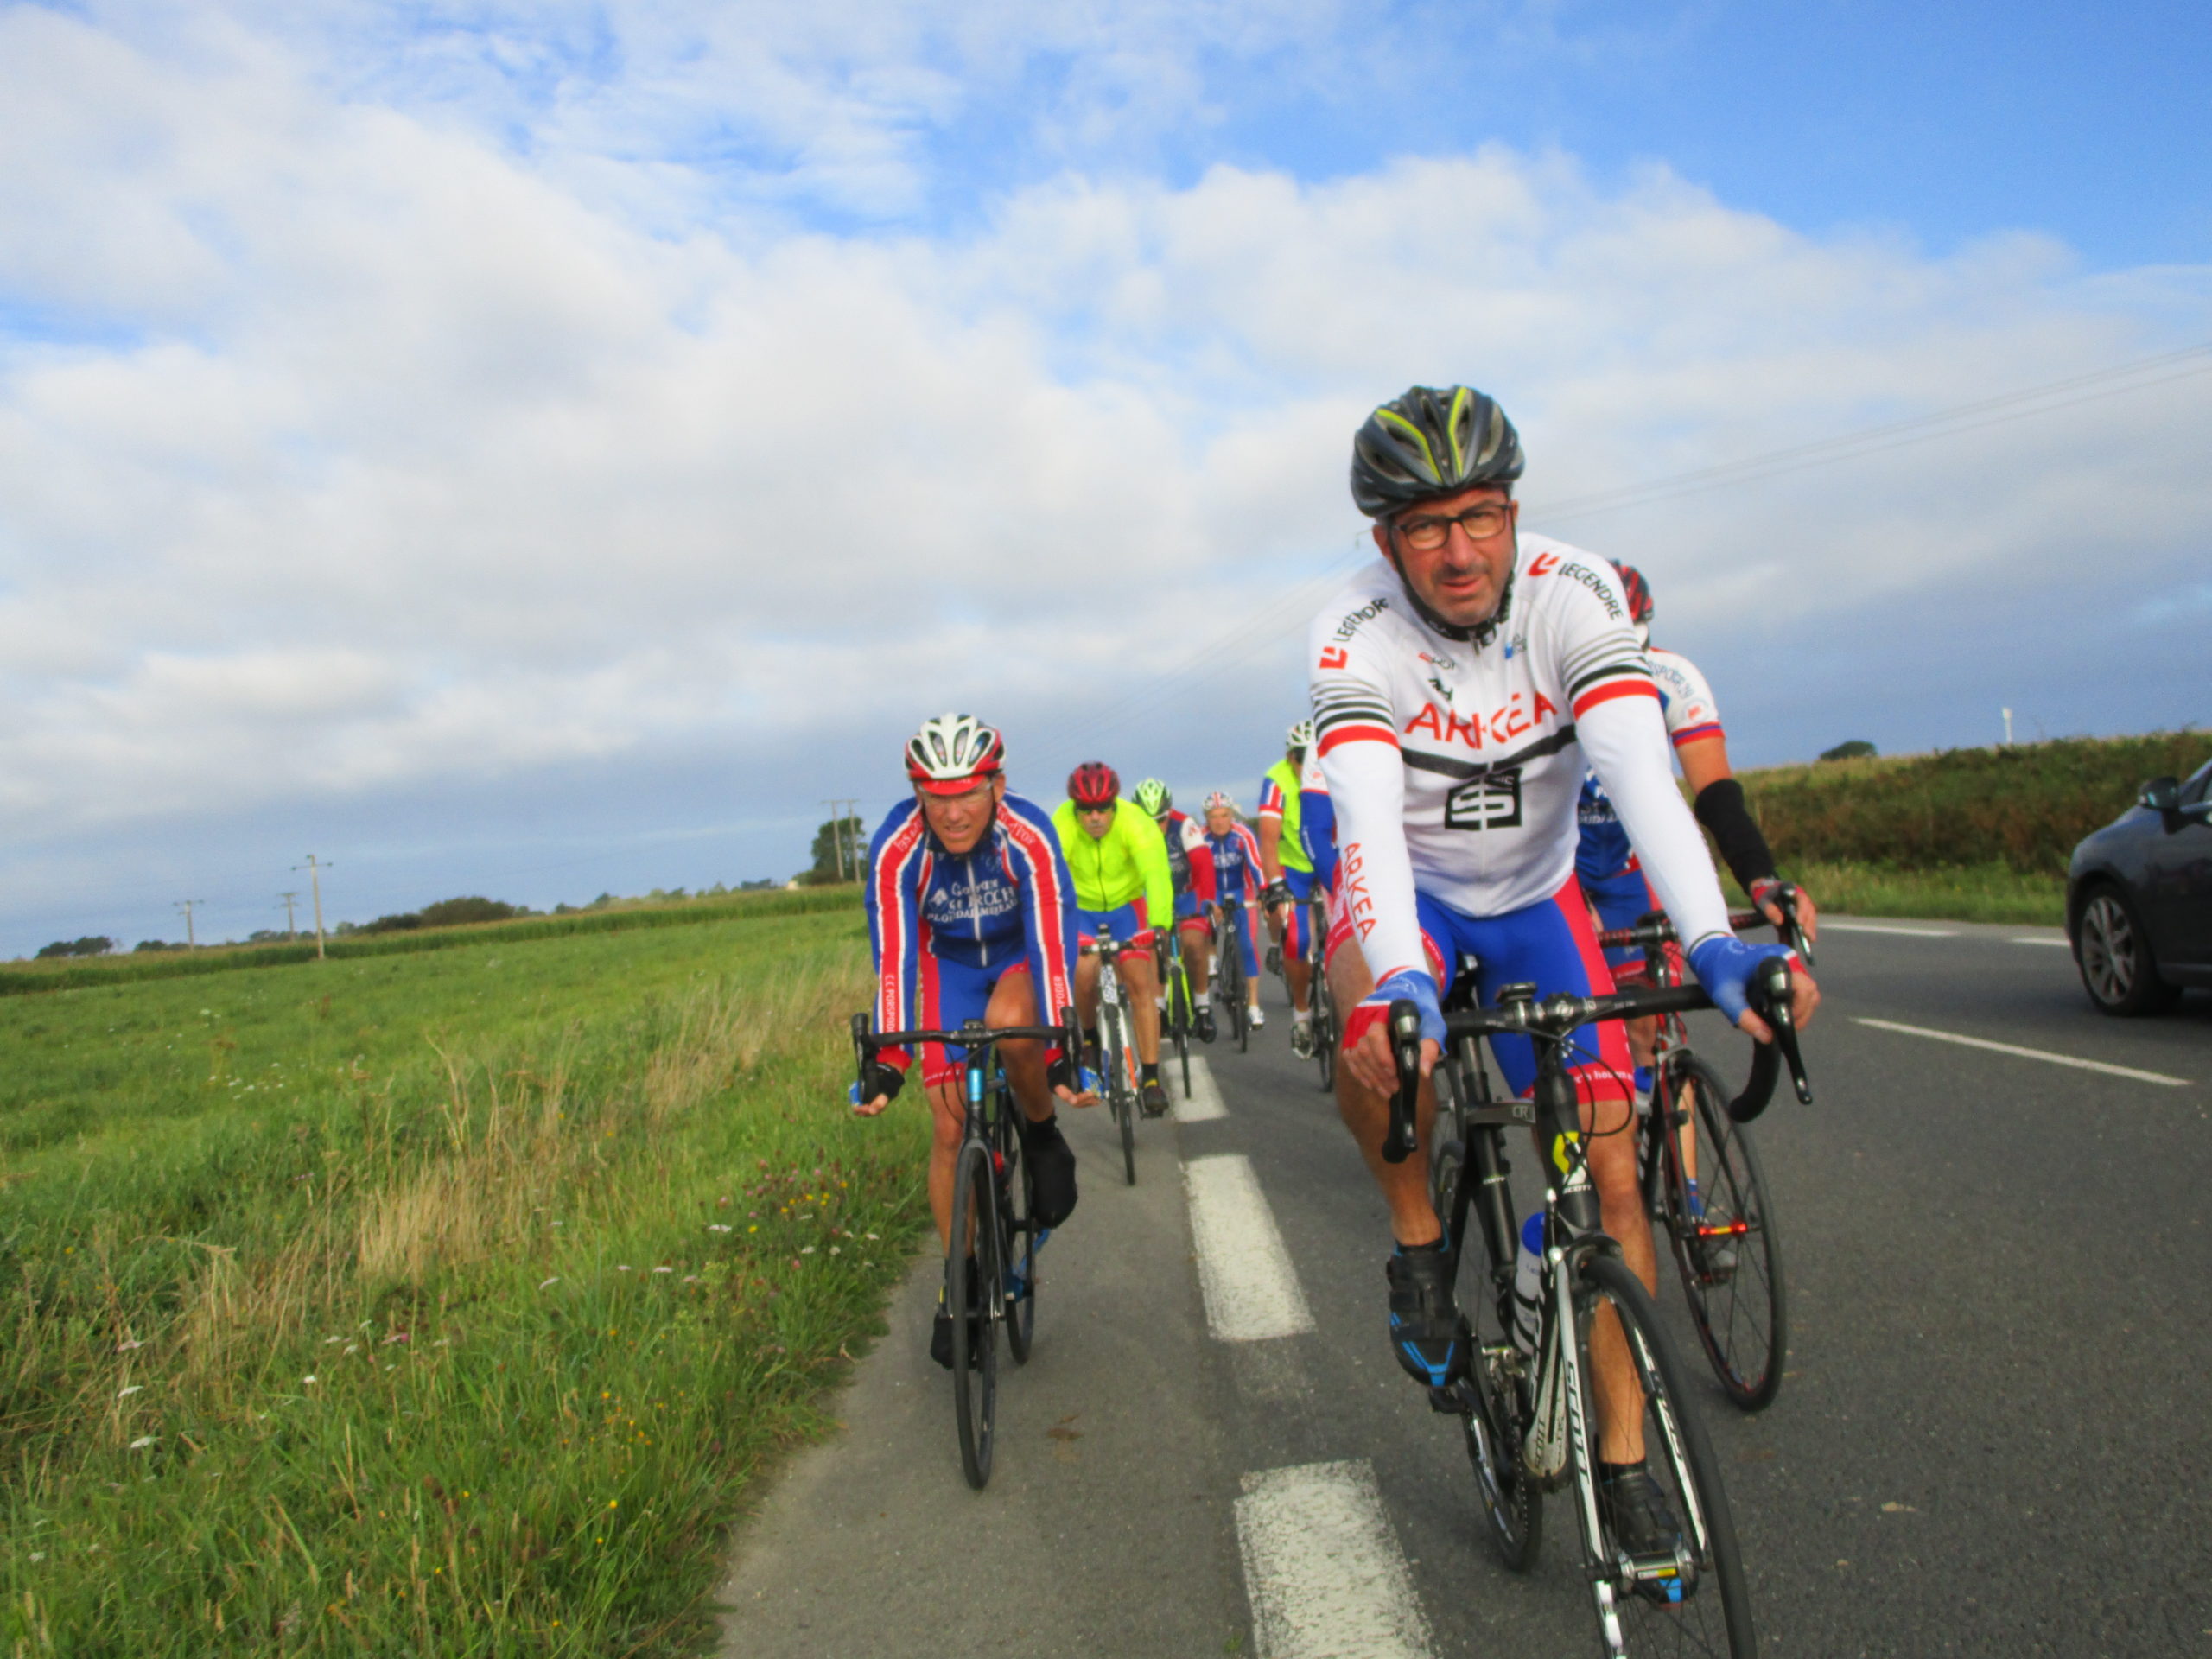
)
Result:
{"points": [[2026, 1053], [2025, 938], [1877, 928], [1324, 1571], [1252, 1292], [1203, 1104]]}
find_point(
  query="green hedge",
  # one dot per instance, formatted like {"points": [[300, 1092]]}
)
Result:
{"points": [[17, 982], [2022, 807]]}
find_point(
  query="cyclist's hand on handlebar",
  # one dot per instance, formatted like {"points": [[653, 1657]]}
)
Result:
{"points": [[1725, 968], [881, 1083], [1064, 1076], [1367, 1033], [1808, 913]]}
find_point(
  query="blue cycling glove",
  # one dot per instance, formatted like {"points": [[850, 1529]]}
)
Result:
{"points": [[1726, 966], [1407, 983]]}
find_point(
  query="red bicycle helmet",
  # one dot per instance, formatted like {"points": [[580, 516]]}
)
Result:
{"points": [[1093, 784]]}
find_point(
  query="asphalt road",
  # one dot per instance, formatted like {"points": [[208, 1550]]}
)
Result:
{"points": [[1992, 1437]]}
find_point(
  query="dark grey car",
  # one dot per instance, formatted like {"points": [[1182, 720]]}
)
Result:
{"points": [[2139, 898]]}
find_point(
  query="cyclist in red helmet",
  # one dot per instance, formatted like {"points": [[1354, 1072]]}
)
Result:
{"points": [[972, 916], [1122, 883]]}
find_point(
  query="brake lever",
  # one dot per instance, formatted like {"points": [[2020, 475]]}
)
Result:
{"points": [[1793, 931], [1775, 977], [1405, 1048], [859, 1050]]}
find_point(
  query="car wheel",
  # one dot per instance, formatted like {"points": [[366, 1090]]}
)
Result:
{"points": [[2115, 958]]}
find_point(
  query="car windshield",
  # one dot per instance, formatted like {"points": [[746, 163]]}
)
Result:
{"points": [[2193, 790]]}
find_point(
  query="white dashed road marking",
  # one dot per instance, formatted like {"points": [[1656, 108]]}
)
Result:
{"points": [[1324, 1573], [1252, 1292], [2030, 938], [1877, 928], [1203, 1104], [2027, 1053]]}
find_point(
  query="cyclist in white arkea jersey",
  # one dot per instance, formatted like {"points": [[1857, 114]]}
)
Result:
{"points": [[1461, 685]]}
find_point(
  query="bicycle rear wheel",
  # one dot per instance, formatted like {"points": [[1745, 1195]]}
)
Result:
{"points": [[1694, 1599], [1231, 990], [1179, 1009], [1120, 1087], [1018, 1226], [969, 1284], [1324, 1023], [1725, 1242]]}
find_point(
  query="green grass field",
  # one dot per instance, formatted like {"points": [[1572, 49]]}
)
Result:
{"points": [[435, 1303]]}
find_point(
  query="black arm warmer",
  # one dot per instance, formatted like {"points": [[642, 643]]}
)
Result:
{"points": [[1721, 809]]}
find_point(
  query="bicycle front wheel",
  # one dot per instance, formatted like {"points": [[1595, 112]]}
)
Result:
{"points": [[1720, 1222], [1324, 1026], [1691, 1599], [1121, 1089], [1179, 998], [968, 1285], [1229, 953]]}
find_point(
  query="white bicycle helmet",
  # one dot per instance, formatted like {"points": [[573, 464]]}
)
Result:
{"points": [[1300, 735], [951, 751]]}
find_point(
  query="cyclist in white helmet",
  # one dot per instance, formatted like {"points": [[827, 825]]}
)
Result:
{"points": [[971, 913], [1289, 873]]}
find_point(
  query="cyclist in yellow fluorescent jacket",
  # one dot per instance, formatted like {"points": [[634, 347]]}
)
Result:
{"points": [[1118, 860]]}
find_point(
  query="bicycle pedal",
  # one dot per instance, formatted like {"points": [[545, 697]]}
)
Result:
{"points": [[1456, 1400]]}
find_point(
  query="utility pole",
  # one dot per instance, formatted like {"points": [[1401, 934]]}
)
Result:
{"points": [[2007, 713], [837, 813], [290, 932], [186, 905], [314, 881]]}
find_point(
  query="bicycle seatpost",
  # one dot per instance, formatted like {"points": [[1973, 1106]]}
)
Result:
{"points": [[1405, 1047]]}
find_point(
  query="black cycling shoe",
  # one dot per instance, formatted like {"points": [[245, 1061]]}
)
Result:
{"points": [[1153, 1097], [1427, 1332], [941, 1328], [1051, 1170], [1637, 1511], [1206, 1029], [1274, 958]]}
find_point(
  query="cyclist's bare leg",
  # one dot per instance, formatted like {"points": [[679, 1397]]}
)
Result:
{"points": [[947, 1119], [1013, 1002], [1086, 990], [1620, 1202], [1301, 976], [1141, 984], [1197, 960], [1367, 1115]]}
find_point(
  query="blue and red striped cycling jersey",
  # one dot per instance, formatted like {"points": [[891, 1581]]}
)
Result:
{"points": [[1237, 877], [1007, 901]]}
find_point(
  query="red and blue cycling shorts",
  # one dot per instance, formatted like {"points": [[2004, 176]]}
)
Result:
{"points": [[1298, 933], [1550, 943], [1622, 899], [1190, 914], [1132, 931], [953, 993]]}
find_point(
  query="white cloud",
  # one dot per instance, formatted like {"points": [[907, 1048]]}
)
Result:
{"points": [[373, 450]]}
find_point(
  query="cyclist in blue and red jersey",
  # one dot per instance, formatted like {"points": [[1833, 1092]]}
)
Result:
{"points": [[971, 913], [1461, 686], [1189, 868], [1236, 886]]}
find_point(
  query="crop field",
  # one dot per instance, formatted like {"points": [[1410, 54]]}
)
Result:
{"points": [[430, 1303]]}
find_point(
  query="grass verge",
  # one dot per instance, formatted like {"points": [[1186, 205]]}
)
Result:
{"points": [[1981, 892], [439, 1305]]}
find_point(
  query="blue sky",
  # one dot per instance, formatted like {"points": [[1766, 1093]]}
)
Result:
{"points": [[536, 448]]}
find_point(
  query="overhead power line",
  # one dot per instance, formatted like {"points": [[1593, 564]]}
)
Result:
{"points": [[1264, 628]]}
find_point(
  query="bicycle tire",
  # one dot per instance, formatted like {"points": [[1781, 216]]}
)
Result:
{"points": [[1739, 1307], [1234, 990], [974, 1342], [1017, 1211], [1638, 1613], [1501, 1398], [1120, 1094], [1325, 1026], [1179, 1002]]}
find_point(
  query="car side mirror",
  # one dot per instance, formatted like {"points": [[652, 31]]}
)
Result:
{"points": [[2162, 795]]}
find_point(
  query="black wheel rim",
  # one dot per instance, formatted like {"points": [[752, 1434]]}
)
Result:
{"points": [[1018, 1224], [1730, 1258], [974, 1343]]}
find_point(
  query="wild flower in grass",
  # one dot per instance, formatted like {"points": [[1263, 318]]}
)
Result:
{"points": [[664, 1269], [124, 1393], [547, 1283], [836, 1249], [808, 1250], [717, 1227], [38, 1554], [310, 1379], [145, 1441], [621, 1266], [126, 1345], [871, 1234]]}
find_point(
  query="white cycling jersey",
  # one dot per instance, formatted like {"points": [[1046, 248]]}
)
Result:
{"points": [[1691, 714], [1455, 766]]}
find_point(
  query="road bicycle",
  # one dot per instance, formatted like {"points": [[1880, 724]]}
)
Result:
{"points": [[992, 1283], [1319, 997], [1705, 1186], [1232, 989], [1117, 1054], [1530, 1414], [1179, 1020]]}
